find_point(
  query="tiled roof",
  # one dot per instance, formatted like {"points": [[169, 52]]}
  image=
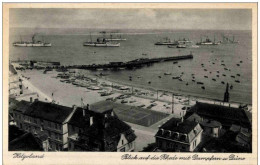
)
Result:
{"points": [[78, 120], [26, 142], [108, 130], [225, 115], [48, 111], [22, 106], [114, 127], [195, 117], [106, 127], [210, 123], [177, 130]]}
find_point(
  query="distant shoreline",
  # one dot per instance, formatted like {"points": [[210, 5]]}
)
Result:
{"points": [[86, 31]]}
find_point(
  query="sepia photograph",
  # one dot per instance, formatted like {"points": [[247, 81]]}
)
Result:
{"points": [[125, 79]]}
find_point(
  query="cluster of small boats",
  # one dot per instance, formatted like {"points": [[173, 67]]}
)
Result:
{"points": [[215, 78]]}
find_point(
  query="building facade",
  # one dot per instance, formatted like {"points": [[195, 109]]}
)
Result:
{"points": [[177, 135], [41, 117], [15, 83]]}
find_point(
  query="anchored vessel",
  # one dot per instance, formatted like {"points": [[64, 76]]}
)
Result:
{"points": [[184, 41], [118, 38], [101, 42], [227, 40], [34, 43], [208, 42], [166, 42]]}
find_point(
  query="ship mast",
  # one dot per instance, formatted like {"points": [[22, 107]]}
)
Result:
{"points": [[21, 38], [33, 40], [90, 38]]}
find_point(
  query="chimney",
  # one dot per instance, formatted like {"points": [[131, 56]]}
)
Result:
{"points": [[91, 120], [87, 107], [84, 113], [112, 113], [31, 99], [181, 119]]}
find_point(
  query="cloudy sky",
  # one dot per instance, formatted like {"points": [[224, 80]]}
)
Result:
{"points": [[220, 19]]}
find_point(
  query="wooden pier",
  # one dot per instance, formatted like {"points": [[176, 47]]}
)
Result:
{"points": [[137, 63]]}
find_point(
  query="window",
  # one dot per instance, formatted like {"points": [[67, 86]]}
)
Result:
{"points": [[122, 142], [159, 143], [57, 147], [57, 136], [130, 145]]}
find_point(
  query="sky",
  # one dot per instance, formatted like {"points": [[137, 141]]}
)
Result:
{"points": [[211, 19]]}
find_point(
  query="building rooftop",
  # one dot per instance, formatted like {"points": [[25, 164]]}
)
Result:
{"points": [[26, 142], [210, 123], [105, 128], [78, 120], [111, 131], [49, 111], [22, 106], [22, 141], [225, 115], [178, 130], [12, 70], [195, 117]]}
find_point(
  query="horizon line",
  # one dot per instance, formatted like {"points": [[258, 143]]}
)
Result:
{"points": [[120, 29]]}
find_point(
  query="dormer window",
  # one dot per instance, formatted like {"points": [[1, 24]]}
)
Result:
{"points": [[183, 137], [161, 131]]}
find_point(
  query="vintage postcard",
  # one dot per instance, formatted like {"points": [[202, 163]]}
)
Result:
{"points": [[130, 83]]}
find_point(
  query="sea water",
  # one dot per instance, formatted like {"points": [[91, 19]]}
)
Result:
{"points": [[69, 50]]}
